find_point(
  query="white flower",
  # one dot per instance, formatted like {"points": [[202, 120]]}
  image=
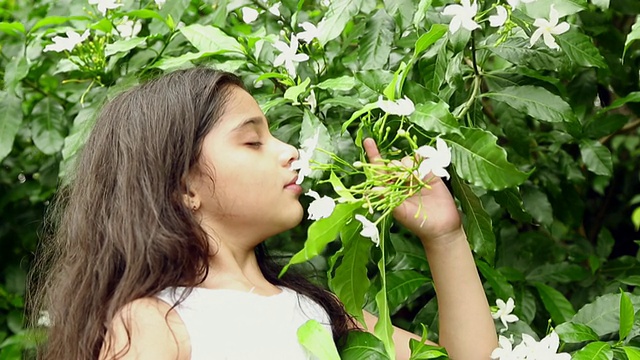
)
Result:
{"points": [[369, 229], [435, 160], [288, 55], [249, 15], [321, 207], [462, 16], [499, 19], [44, 319], [275, 9], [66, 44], [303, 163], [515, 3], [311, 100], [504, 312], [104, 5], [325, 3], [129, 28], [160, 3], [400, 107], [546, 349], [547, 29], [310, 32]]}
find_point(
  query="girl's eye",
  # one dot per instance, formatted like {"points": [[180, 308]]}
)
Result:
{"points": [[255, 144]]}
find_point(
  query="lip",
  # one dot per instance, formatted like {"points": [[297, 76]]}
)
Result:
{"points": [[292, 186]]}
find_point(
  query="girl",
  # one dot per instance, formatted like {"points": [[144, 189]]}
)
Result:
{"points": [[158, 251]]}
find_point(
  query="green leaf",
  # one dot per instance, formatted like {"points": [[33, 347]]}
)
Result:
{"points": [[480, 161], [47, 126], [384, 328], [144, 14], [540, 8], [435, 33], [123, 45], [55, 20], [594, 351], [602, 4], [635, 218], [537, 204], [477, 222], [518, 52], [362, 345], [631, 97], [420, 351], [210, 39], [16, 70], [435, 117], [311, 126], [536, 102], [627, 315], [317, 340], [350, 282], [556, 304], [580, 49], [339, 188], [401, 285], [496, 280], [596, 157], [603, 314], [511, 200], [375, 45], [12, 28], [293, 92], [570, 332], [178, 61], [633, 35], [82, 124], [322, 232], [10, 120], [342, 83], [633, 353], [340, 12]]}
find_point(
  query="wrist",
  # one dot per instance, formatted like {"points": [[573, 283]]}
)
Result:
{"points": [[444, 240]]}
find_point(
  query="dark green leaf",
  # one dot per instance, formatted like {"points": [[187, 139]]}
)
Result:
{"points": [[350, 282], [633, 35], [596, 157], [48, 126], [537, 204], [477, 222], [603, 314], [580, 49], [375, 45], [518, 51], [536, 102], [631, 97], [575, 333], [322, 232], [10, 120], [403, 284], [496, 280], [435, 117], [556, 304], [480, 161], [511, 200]]}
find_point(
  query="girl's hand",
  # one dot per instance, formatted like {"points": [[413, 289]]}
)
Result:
{"points": [[442, 223]]}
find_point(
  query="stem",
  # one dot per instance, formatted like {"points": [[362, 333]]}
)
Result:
{"points": [[472, 98]]}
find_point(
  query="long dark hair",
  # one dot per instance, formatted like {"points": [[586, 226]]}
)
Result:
{"points": [[121, 228]]}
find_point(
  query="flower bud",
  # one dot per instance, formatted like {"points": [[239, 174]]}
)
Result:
{"points": [[357, 164], [401, 132]]}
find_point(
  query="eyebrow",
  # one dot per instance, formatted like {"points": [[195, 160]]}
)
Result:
{"points": [[256, 120]]}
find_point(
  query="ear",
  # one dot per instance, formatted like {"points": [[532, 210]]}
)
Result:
{"points": [[191, 199]]}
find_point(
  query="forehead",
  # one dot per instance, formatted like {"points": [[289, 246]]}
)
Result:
{"points": [[240, 107]]}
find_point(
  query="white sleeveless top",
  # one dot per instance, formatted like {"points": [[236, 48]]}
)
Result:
{"points": [[235, 325]]}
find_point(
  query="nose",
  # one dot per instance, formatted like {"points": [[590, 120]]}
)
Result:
{"points": [[288, 154]]}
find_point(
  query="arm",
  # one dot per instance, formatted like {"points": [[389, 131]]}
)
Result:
{"points": [[139, 331], [467, 329]]}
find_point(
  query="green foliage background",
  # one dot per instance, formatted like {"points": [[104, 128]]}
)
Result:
{"points": [[545, 143]]}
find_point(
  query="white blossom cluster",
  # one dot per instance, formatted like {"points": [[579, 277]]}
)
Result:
{"points": [[464, 16]]}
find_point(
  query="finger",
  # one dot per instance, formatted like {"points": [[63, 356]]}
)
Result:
{"points": [[372, 151]]}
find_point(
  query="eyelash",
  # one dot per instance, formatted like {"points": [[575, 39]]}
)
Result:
{"points": [[254, 144]]}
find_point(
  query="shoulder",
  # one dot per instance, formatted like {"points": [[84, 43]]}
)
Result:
{"points": [[146, 328]]}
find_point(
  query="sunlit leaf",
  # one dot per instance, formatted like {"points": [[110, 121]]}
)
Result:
{"points": [[535, 102], [317, 340], [594, 351], [10, 120]]}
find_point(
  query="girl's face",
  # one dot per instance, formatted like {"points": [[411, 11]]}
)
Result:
{"points": [[253, 194]]}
